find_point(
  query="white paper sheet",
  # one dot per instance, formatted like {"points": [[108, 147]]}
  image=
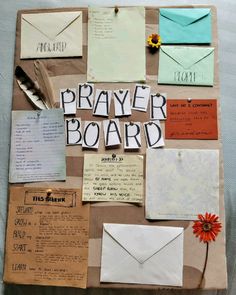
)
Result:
{"points": [[37, 146], [132, 135], [158, 106], [85, 96], [68, 101], [153, 134], [102, 103], [181, 183], [91, 136], [111, 129], [122, 102], [141, 97], [73, 131]]}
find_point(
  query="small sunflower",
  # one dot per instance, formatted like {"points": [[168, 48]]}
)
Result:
{"points": [[154, 41], [207, 227]]}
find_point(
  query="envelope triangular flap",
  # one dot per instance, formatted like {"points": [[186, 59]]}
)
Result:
{"points": [[53, 23], [187, 56], [184, 16], [142, 241]]}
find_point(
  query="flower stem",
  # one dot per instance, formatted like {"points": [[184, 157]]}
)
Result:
{"points": [[205, 264]]}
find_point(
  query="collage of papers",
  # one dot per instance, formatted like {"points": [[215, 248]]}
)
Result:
{"points": [[115, 149]]}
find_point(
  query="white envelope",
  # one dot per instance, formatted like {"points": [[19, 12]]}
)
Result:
{"points": [[54, 34], [142, 254]]}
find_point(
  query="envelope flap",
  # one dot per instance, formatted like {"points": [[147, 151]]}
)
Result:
{"points": [[184, 16], [142, 241], [186, 56], [51, 24]]}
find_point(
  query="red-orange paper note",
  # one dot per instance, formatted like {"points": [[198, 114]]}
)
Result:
{"points": [[191, 119]]}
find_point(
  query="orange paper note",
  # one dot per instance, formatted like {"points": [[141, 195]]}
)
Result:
{"points": [[191, 119]]}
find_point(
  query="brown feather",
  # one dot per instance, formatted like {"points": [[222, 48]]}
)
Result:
{"points": [[30, 89], [44, 83]]}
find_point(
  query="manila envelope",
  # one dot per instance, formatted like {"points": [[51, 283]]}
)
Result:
{"points": [[55, 34], [142, 254], [185, 25], [181, 65]]}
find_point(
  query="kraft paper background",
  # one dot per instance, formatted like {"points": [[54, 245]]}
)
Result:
{"points": [[101, 212]]}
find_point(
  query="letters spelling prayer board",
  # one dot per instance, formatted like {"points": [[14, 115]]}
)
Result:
{"points": [[68, 72]]}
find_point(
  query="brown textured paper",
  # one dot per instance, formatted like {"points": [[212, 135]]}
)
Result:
{"points": [[47, 238], [66, 73]]}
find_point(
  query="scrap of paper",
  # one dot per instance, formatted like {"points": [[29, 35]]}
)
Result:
{"points": [[122, 102], [191, 119], [37, 146], [132, 135], [153, 134], [102, 103], [68, 101], [73, 131], [91, 136], [111, 129], [47, 238], [141, 97], [116, 47], [113, 178]]}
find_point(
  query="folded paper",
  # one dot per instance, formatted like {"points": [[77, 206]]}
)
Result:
{"points": [[180, 183], [183, 65], [55, 34], [185, 25], [142, 254], [116, 47]]}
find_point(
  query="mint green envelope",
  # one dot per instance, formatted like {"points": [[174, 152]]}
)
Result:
{"points": [[185, 25], [181, 65]]}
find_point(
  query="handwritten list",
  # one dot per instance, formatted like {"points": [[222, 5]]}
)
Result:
{"points": [[47, 238], [113, 178], [37, 146], [123, 56]]}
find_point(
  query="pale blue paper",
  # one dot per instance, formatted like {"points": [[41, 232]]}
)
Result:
{"points": [[185, 25]]}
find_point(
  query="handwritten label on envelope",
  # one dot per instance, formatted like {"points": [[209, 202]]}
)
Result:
{"points": [[191, 119], [117, 178]]}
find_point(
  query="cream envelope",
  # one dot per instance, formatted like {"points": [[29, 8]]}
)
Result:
{"points": [[55, 34], [142, 254]]}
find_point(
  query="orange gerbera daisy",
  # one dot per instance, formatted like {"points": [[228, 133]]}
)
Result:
{"points": [[207, 227]]}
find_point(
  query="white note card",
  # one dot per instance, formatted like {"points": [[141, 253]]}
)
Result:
{"points": [[112, 135], [102, 103], [37, 146], [153, 134], [181, 183], [91, 134], [122, 102], [68, 101]]}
